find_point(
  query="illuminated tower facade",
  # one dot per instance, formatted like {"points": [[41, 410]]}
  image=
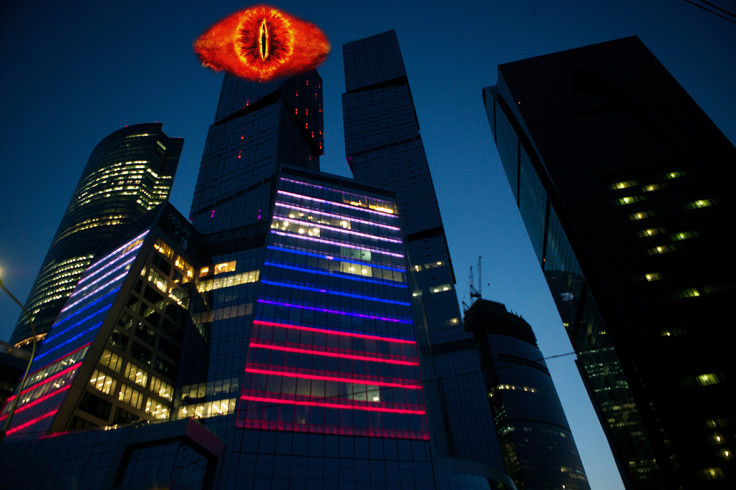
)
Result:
{"points": [[384, 148], [625, 187], [128, 173]]}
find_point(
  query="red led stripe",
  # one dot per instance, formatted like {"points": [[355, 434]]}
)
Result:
{"points": [[39, 400], [68, 354], [331, 405], [31, 422], [334, 332], [332, 354], [332, 378], [60, 373]]}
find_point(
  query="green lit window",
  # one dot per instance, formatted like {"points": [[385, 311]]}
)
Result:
{"points": [[707, 379], [629, 200], [674, 175], [700, 203], [688, 293], [684, 235], [652, 276], [652, 187], [661, 249]]}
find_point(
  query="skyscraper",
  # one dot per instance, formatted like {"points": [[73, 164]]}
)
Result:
{"points": [[624, 186], [128, 173], [384, 148], [537, 446]]}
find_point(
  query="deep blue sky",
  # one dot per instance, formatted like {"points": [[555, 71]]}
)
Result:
{"points": [[74, 72]]}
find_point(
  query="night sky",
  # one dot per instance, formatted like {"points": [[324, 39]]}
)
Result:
{"points": [[73, 72]]}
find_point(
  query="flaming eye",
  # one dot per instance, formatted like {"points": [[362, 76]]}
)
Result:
{"points": [[261, 43]]}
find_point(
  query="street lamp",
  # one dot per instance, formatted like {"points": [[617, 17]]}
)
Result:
{"points": [[30, 361]]}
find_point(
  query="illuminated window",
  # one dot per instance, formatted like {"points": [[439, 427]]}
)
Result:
{"points": [[136, 374], [674, 175], [651, 232], [640, 215], [623, 184], [652, 187], [661, 249], [684, 235], [130, 396], [688, 293], [441, 288], [713, 474], [652, 276], [204, 271], [228, 281], [111, 360], [102, 382], [224, 267], [726, 454], [700, 203], [708, 379], [629, 200]]}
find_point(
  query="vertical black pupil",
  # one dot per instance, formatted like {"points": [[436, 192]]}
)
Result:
{"points": [[264, 46]]}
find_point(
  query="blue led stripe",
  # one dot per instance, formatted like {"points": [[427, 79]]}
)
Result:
{"points": [[336, 312], [93, 292], [334, 293], [101, 310], [101, 262], [83, 309], [330, 257], [78, 290], [67, 341], [336, 274]]}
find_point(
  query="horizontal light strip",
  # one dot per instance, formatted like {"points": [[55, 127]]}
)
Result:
{"points": [[85, 308], [92, 293], [339, 244], [338, 204], [339, 259], [337, 229], [112, 254], [57, 334], [51, 378], [31, 422], [31, 375], [349, 193], [38, 400], [356, 381], [351, 277], [333, 332], [335, 293], [78, 291], [336, 216], [337, 312], [97, 325], [330, 405], [322, 353]]}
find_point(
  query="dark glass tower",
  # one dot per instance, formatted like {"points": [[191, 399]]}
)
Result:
{"points": [[384, 148], [536, 443], [624, 185], [128, 173]]}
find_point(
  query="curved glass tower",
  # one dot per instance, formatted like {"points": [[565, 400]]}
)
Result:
{"points": [[128, 173], [536, 443]]}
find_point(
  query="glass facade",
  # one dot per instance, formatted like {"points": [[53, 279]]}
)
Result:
{"points": [[619, 228], [536, 443], [129, 172], [384, 148]]}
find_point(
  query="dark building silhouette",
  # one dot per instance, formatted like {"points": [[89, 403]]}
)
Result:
{"points": [[384, 147], [536, 444], [128, 173], [624, 185]]}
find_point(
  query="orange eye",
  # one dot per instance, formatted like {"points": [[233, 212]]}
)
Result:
{"points": [[261, 43]]}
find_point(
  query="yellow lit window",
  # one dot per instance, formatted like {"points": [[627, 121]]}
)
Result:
{"points": [[650, 232], [204, 271], [225, 267], [661, 249], [652, 187], [136, 374], [684, 235], [623, 184], [652, 276], [640, 215], [674, 175]]}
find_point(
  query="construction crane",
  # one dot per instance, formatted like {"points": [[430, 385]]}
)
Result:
{"points": [[476, 293]]}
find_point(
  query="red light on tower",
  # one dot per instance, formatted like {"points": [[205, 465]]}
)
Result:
{"points": [[261, 43]]}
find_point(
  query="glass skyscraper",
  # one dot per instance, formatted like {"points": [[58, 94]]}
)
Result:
{"points": [[624, 185], [128, 173], [537, 446], [384, 147]]}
